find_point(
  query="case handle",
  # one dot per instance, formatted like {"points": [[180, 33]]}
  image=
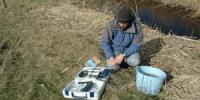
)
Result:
{"points": [[78, 97]]}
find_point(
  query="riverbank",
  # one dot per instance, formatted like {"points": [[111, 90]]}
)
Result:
{"points": [[43, 44], [192, 7]]}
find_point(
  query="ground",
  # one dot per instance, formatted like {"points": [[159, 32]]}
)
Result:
{"points": [[43, 44], [191, 7]]}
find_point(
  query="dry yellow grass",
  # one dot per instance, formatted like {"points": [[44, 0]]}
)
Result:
{"points": [[193, 5], [45, 43]]}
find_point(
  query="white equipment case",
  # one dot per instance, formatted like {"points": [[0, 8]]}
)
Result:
{"points": [[89, 84]]}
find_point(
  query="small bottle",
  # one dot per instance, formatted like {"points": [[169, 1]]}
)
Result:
{"points": [[90, 63], [93, 62]]}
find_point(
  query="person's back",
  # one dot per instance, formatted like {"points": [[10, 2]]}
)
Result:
{"points": [[121, 39]]}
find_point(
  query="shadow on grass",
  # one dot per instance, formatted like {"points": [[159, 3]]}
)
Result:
{"points": [[149, 50]]}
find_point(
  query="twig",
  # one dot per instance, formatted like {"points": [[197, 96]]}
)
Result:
{"points": [[23, 82], [66, 69], [187, 39], [136, 9], [192, 33], [113, 89], [5, 3]]}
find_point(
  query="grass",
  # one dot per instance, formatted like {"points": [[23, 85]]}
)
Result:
{"points": [[36, 47], [35, 56], [41, 38], [38, 41], [193, 5]]}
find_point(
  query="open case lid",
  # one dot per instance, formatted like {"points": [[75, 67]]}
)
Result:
{"points": [[93, 73]]}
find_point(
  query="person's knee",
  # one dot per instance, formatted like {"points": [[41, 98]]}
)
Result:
{"points": [[133, 60]]}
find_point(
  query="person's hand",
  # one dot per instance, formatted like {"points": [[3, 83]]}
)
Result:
{"points": [[119, 59], [111, 61]]}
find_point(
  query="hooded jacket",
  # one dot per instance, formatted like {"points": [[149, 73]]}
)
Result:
{"points": [[115, 41]]}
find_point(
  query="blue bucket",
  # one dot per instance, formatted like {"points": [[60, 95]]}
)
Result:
{"points": [[149, 79]]}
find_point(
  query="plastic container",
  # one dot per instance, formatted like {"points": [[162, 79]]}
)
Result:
{"points": [[89, 83], [78, 91], [90, 63], [149, 79]]}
